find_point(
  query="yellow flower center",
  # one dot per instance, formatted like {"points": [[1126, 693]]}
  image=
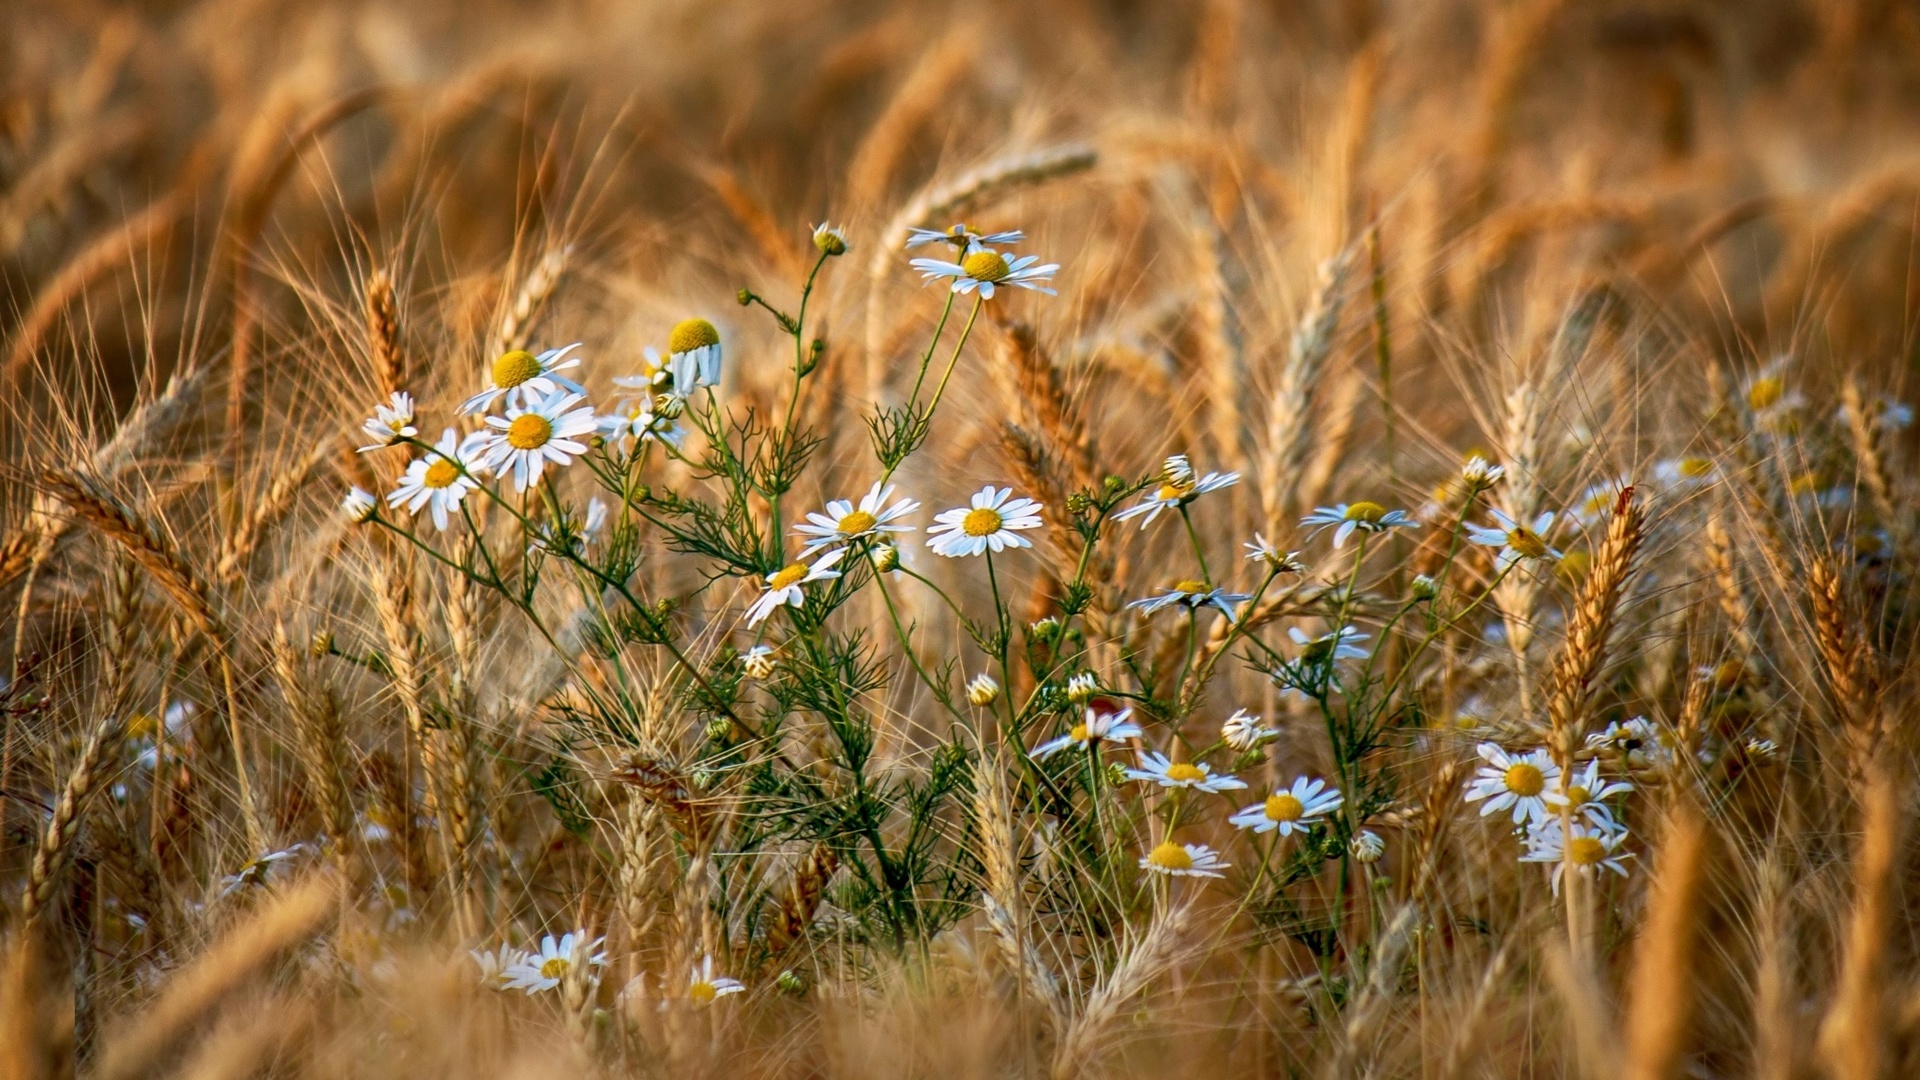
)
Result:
{"points": [[1079, 733], [1284, 807], [1585, 851], [1579, 796], [529, 431], [442, 473], [702, 992], [691, 334], [1694, 468], [984, 265], [787, 576], [981, 522], [1171, 492], [555, 968], [1766, 392], [1185, 772], [857, 522], [1525, 780], [1170, 856], [1369, 512], [1190, 586], [1526, 542], [514, 368]]}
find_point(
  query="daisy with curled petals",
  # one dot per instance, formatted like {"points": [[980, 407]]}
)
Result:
{"points": [[991, 522], [1089, 732], [693, 352], [830, 240], [1293, 810], [359, 505], [1516, 541], [783, 585], [1159, 769], [704, 987], [547, 430], [523, 378], [556, 960], [440, 480], [985, 269], [962, 238], [1590, 849], [1525, 782], [1587, 792], [1244, 731], [844, 522], [1183, 860], [1195, 595], [1345, 518], [391, 423], [1341, 644], [1178, 487], [493, 965]]}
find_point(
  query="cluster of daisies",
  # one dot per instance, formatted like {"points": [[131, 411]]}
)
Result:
{"points": [[1561, 818], [578, 956]]}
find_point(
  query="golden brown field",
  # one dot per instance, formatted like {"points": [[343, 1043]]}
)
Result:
{"points": [[1382, 547]]}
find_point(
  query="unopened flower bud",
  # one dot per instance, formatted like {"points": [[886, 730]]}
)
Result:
{"points": [[1082, 687], [1423, 587], [1367, 847]]}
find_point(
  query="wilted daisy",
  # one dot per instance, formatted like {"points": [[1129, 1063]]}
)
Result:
{"points": [[830, 239], [783, 585], [493, 965], [992, 522], [1479, 474], [1194, 595], [526, 440], [703, 986], [359, 506], [962, 238], [844, 522], [1262, 551], [1587, 792], [523, 378], [1591, 848], [1344, 518], [1097, 726], [1159, 769], [1184, 860], [1340, 644], [390, 423], [693, 348], [1525, 782], [1516, 541], [439, 481], [1367, 847], [1177, 488], [1243, 731], [1296, 809], [983, 690], [757, 662], [554, 962], [985, 269]]}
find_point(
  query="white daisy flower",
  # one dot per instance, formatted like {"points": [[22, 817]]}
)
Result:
{"points": [[493, 965], [1597, 502], [1516, 541], [693, 348], [523, 378], [1341, 644], [783, 585], [1089, 732], [554, 962], [1367, 847], [1177, 488], [831, 239], [1587, 792], [1184, 860], [1525, 782], [1683, 473], [1296, 809], [392, 423], [757, 662], [962, 238], [637, 421], [359, 506], [1344, 518], [1195, 595], [439, 481], [983, 690], [1480, 474], [1082, 687], [703, 987], [991, 523], [1262, 550], [1244, 731], [845, 522], [1639, 741], [1766, 390], [1590, 850], [1159, 769], [985, 269], [547, 430]]}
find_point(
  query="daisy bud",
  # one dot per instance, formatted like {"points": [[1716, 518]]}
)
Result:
{"points": [[789, 982], [719, 729], [983, 691], [669, 406], [1113, 483], [745, 296], [1116, 774], [1423, 588], [886, 558], [359, 506], [831, 240], [1082, 687], [1367, 847], [1481, 474], [1043, 630], [757, 662]]}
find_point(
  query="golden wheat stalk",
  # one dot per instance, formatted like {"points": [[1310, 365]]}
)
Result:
{"points": [[521, 317], [383, 334], [1853, 1031], [1662, 980], [1145, 955], [1583, 654], [1289, 439]]}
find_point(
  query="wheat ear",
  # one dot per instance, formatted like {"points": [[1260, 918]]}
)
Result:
{"points": [[383, 334], [1662, 981], [1289, 440], [518, 321], [1853, 1031], [1584, 653], [322, 737], [1147, 956]]}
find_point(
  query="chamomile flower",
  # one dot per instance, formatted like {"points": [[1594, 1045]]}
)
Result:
{"points": [[1767, 392], [1089, 732], [1159, 769], [438, 481], [1244, 730], [830, 240], [784, 585], [983, 690], [1638, 742], [1183, 860], [1345, 518], [1479, 474], [1082, 687], [1341, 644], [1525, 782], [556, 960], [359, 506], [693, 348], [1367, 847], [1596, 502], [844, 522], [962, 238], [493, 965], [392, 423], [546, 431], [524, 378], [757, 662], [1516, 541], [991, 522], [985, 269], [704, 987], [1295, 809], [1194, 595], [1587, 792], [1262, 551], [1177, 488], [1591, 849]]}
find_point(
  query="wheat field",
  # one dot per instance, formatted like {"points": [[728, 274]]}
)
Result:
{"points": [[840, 539]]}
